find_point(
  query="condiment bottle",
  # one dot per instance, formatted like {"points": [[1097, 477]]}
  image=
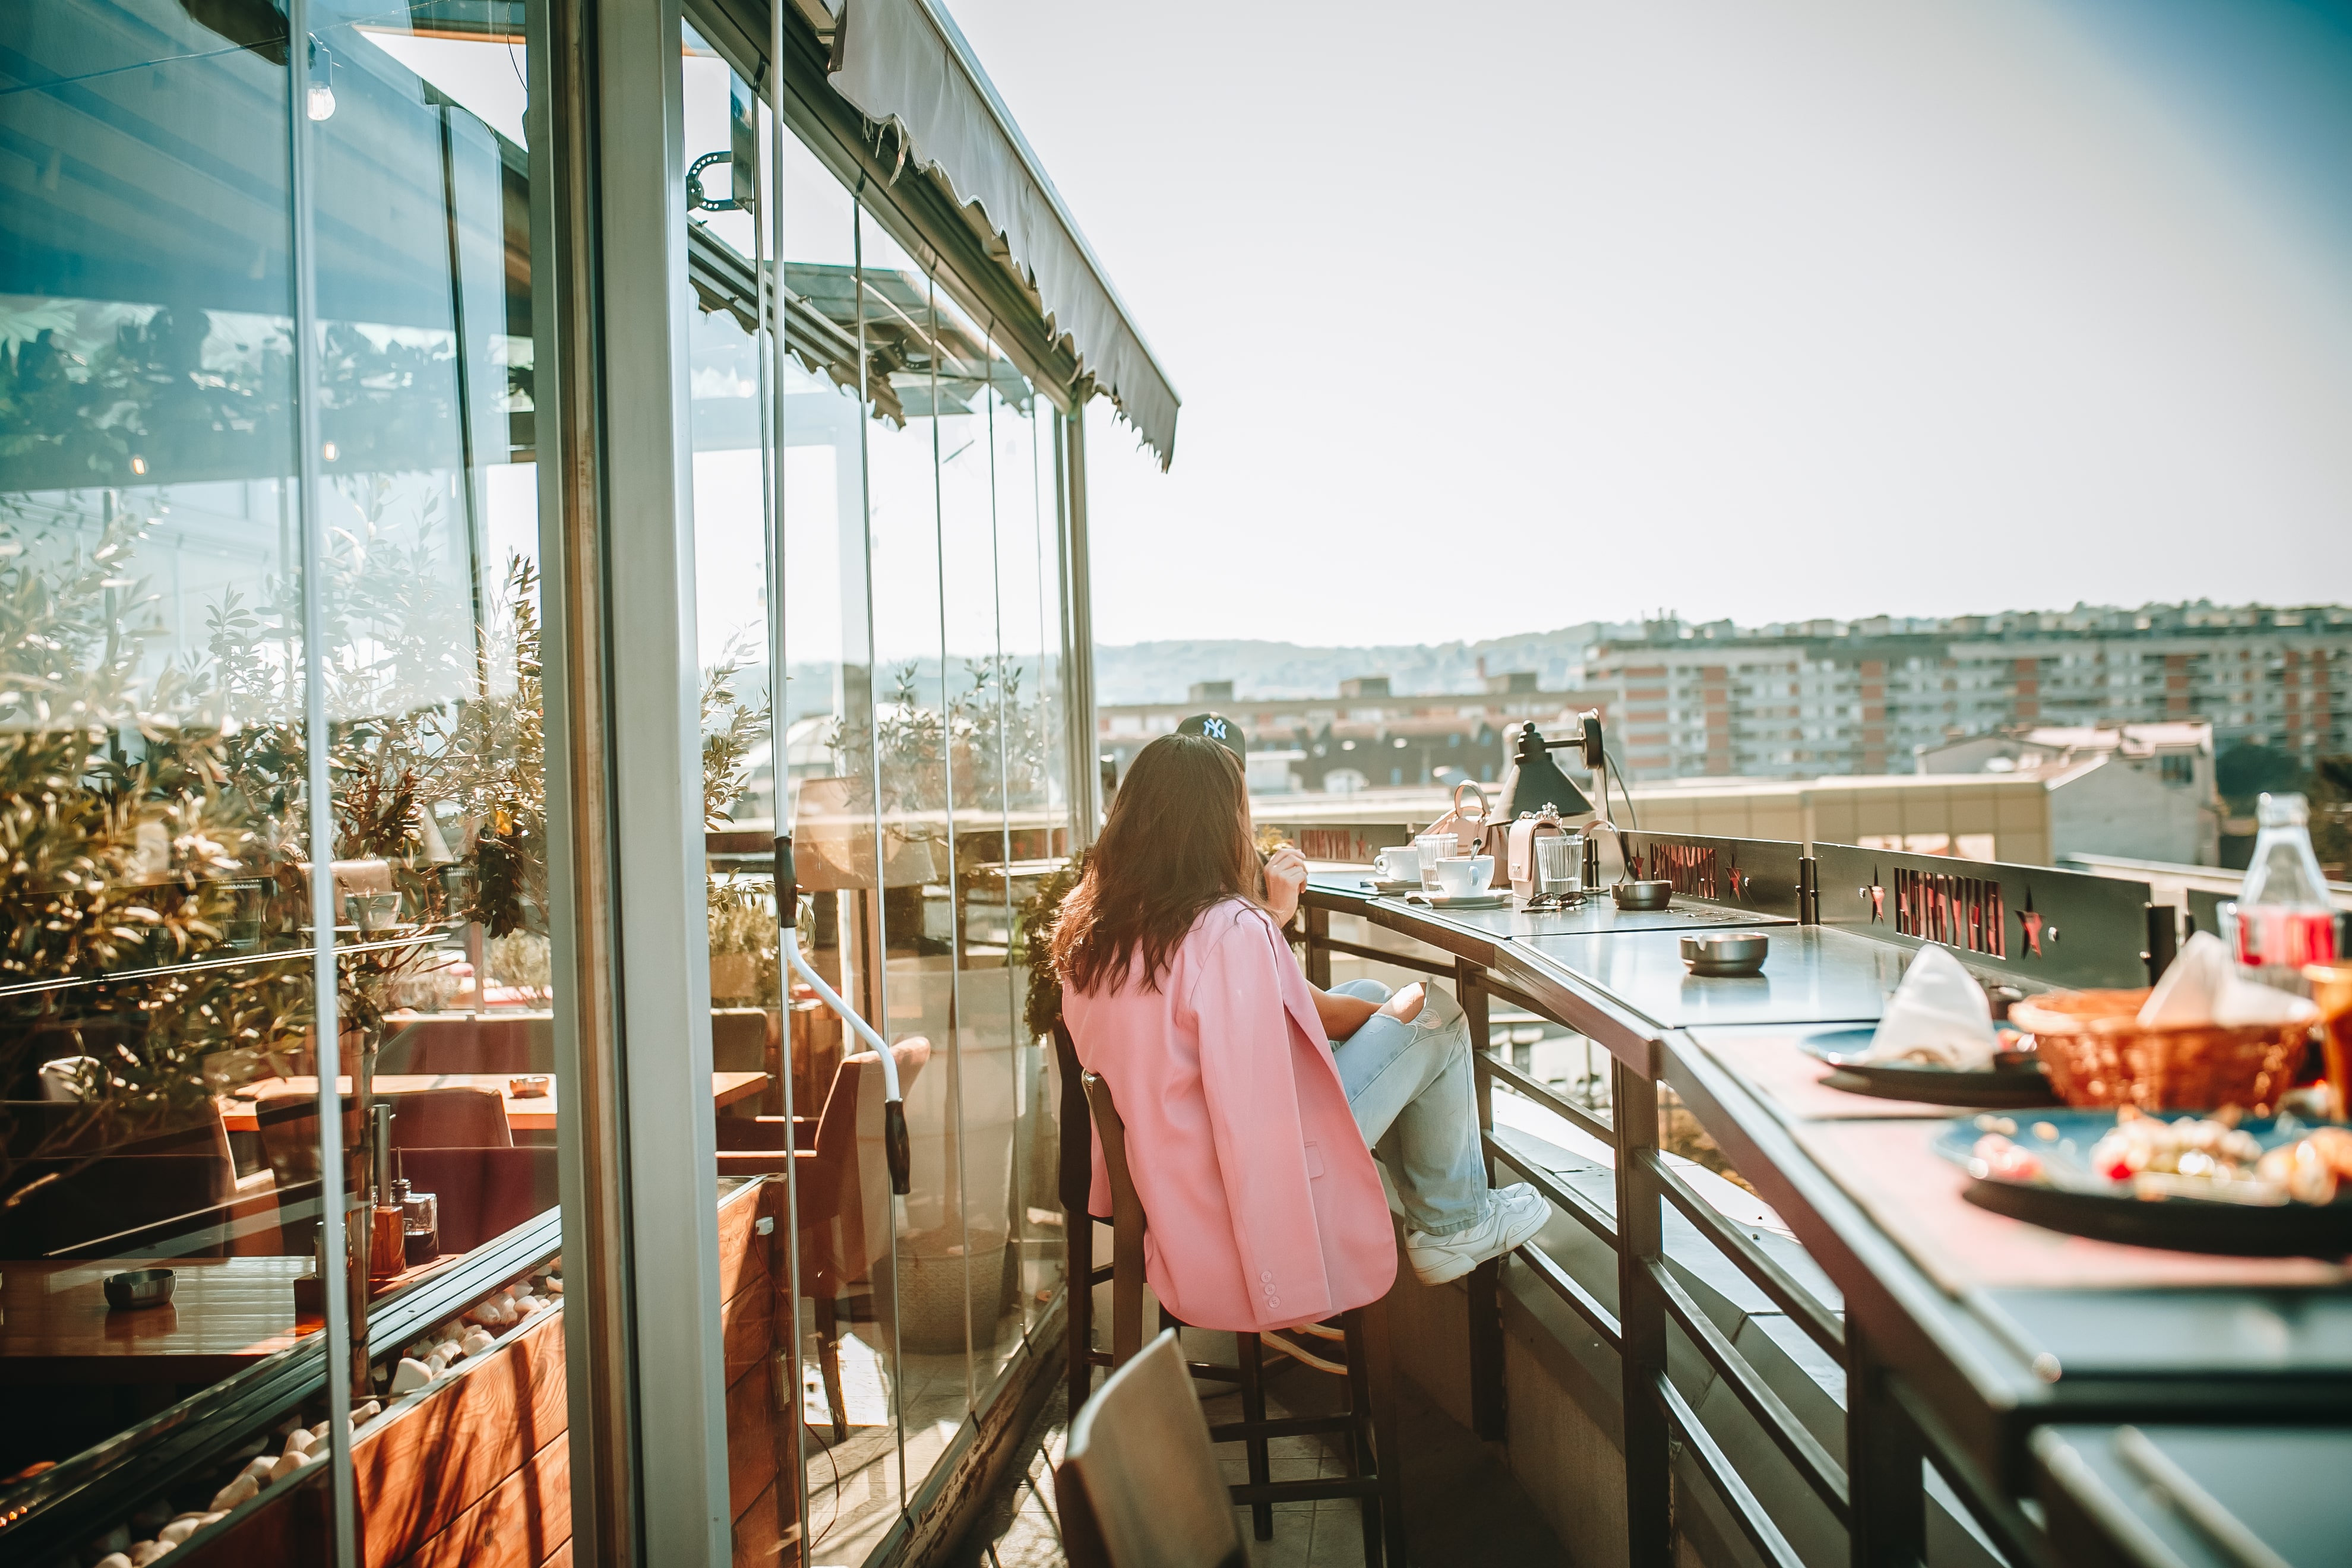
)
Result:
{"points": [[2283, 918], [421, 1223]]}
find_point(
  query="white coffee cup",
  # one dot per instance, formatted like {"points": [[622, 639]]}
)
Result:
{"points": [[1398, 863], [1433, 848], [1464, 875]]}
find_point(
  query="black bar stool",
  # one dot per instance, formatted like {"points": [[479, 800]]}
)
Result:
{"points": [[1359, 1334]]}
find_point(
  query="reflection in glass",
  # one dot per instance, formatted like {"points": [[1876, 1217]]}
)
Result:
{"points": [[147, 544], [917, 898], [157, 1035], [850, 1384]]}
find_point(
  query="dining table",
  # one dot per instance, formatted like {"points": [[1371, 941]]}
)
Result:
{"points": [[525, 1112], [224, 1314]]}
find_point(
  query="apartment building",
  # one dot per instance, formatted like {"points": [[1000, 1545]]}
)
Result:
{"points": [[1365, 737], [1865, 697]]}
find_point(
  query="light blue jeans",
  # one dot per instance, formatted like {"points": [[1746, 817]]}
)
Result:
{"points": [[1416, 1102]]}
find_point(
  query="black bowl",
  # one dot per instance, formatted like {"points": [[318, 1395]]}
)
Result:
{"points": [[139, 1288]]}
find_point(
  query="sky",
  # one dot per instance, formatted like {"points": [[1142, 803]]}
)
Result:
{"points": [[1496, 319]]}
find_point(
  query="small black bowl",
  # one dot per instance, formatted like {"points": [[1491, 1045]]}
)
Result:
{"points": [[139, 1288]]}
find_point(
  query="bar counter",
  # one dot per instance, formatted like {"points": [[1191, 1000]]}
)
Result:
{"points": [[1967, 1338]]}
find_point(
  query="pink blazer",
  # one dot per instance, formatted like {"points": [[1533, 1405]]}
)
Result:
{"points": [[1262, 1206]]}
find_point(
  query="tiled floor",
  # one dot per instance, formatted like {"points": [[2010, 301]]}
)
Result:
{"points": [[1462, 1508]]}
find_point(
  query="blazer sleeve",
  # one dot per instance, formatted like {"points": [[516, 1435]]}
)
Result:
{"points": [[1247, 1079]]}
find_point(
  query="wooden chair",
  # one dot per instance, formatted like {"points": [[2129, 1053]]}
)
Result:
{"points": [[508, 1042], [1137, 1484], [842, 1228], [469, 1116], [1369, 1423]]}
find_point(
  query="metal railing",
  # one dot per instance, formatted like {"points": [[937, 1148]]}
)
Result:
{"points": [[2105, 929]]}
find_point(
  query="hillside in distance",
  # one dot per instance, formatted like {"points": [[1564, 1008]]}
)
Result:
{"points": [[1164, 671]]}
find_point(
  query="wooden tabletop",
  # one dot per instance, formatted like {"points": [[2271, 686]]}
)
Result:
{"points": [[225, 1313], [534, 1113]]}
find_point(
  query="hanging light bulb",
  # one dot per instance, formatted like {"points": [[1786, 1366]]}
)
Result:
{"points": [[320, 101]]}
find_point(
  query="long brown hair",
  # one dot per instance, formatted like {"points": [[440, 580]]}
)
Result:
{"points": [[1178, 841]]}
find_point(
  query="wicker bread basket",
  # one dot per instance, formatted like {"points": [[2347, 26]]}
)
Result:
{"points": [[2096, 1053]]}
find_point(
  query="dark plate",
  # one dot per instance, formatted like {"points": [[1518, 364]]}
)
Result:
{"points": [[2015, 1083], [2084, 1203]]}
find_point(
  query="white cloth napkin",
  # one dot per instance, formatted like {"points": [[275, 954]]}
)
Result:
{"points": [[1939, 1014], [2203, 987]]}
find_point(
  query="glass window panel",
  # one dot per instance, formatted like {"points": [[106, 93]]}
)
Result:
{"points": [[429, 507], [731, 473], [916, 897], [979, 774], [150, 530], [152, 751], [1028, 606], [850, 1377]]}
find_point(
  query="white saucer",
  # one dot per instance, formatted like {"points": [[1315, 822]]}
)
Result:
{"points": [[1489, 900]]}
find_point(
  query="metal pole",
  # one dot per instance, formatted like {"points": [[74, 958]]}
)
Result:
{"points": [[768, 232], [342, 1334]]}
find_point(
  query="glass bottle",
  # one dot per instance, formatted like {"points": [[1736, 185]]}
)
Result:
{"points": [[2284, 920]]}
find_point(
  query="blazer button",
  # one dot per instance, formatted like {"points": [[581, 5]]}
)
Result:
{"points": [[1265, 1275], [1273, 1300]]}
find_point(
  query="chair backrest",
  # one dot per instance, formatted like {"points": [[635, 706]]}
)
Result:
{"points": [[55, 1204], [842, 1231], [1139, 1485], [289, 1120], [740, 1039], [1078, 1172], [1126, 1224], [483, 1193], [466, 1116], [471, 1042]]}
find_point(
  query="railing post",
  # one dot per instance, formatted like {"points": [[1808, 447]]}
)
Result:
{"points": [[1642, 1320], [1488, 1414], [1883, 1454]]}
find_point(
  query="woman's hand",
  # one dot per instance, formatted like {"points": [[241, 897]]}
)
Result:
{"points": [[1285, 878], [1405, 1006]]}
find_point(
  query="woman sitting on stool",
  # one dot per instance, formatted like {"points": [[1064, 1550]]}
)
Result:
{"points": [[1248, 1129]]}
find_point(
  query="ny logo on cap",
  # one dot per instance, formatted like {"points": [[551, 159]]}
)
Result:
{"points": [[1214, 728]]}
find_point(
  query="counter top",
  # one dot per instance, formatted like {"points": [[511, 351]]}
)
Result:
{"points": [[2000, 1326]]}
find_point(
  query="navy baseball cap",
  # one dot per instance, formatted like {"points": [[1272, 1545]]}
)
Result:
{"points": [[1216, 727]]}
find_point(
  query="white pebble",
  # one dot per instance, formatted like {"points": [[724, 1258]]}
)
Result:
{"points": [[259, 1468], [146, 1551], [180, 1529], [410, 1377], [290, 1464], [367, 1412], [520, 1289], [438, 1360], [451, 1333], [114, 1560], [236, 1492], [555, 1285], [479, 1340], [300, 1441]]}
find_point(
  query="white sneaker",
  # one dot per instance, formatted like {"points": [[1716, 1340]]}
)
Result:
{"points": [[1517, 1214]]}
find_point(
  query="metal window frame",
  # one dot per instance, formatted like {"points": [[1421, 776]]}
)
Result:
{"points": [[637, 1142]]}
